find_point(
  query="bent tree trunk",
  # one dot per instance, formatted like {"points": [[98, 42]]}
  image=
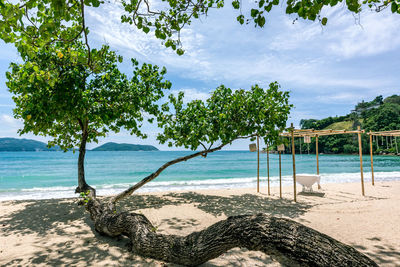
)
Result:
{"points": [[283, 238], [278, 237]]}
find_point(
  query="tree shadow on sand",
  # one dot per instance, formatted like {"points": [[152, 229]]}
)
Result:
{"points": [[50, 221], [242, 204], [56, 244], [382, 254]]}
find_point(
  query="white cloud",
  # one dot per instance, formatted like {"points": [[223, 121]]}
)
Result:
{"points": [[345, 35], [377, 33], [220, 51], [9, 120], [9, 125]]}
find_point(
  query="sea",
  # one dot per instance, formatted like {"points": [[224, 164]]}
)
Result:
{"points": [[44, 175]]}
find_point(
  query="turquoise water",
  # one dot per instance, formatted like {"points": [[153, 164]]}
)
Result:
{"points": [[35, 175]]}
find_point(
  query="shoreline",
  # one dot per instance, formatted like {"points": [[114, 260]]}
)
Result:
{"points": [[58, 232], [67, 192]]}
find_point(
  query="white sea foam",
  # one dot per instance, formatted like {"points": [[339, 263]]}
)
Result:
{"points": [[158, 186]]}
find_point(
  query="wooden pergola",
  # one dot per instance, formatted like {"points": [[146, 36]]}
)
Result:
{"points": [[292, 132], [394, 133]]}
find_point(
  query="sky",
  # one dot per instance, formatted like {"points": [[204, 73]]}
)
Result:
{"points": [[327, 70]]}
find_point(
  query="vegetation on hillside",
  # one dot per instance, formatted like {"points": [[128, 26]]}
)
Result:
{"points": [[376, 115], [111, 146], [14, 144]]}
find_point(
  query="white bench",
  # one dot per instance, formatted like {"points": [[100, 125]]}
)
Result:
{"points": [[307, 181]]}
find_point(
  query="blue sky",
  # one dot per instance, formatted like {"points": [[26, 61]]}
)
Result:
{"points": [[327, 70]]}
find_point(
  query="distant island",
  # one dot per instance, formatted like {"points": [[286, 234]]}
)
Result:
{"points": [[15, 144], [9, 144], [124, 147]]}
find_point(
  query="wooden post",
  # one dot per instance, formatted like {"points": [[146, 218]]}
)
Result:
{"points": [[294, 162], [361, 165], [300, 145], [372, 157], [316, 153], [280, 175], [377, 142], [258, 165], [387, 143], [269, 193]]}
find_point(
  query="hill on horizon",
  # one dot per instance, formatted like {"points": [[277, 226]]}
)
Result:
{"points": [[16, 144], [379, 114], [111, 146]]}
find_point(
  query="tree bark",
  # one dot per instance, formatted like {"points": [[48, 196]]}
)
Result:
{"points": [[279, 237], [82, 185]]}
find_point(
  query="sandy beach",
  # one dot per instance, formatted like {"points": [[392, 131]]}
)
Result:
{"points": [[57, 232]]}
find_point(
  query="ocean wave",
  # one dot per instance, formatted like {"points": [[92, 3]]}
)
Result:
{"points": [[158, 186]]}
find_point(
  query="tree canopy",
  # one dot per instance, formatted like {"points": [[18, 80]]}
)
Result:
{"points": [[224, 117], [39, 22], [58, 95]]}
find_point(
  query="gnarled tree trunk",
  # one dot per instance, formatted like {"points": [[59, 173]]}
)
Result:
{"points": [[274, 236]]}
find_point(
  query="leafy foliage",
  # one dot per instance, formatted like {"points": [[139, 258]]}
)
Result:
{"points": [[57, 94], [40, 22], [321, 124], [167, 22], [36, 23], [226, 116]]}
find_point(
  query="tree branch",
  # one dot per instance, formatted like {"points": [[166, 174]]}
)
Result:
{"points": [[152, 176], [85, 33]]}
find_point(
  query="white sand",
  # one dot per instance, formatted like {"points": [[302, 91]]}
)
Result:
{"points": [[57, 232]]}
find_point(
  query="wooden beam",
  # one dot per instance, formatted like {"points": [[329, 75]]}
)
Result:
{"points": [[361, 163], [386, 133], [372, 158], [294, 163], [269, 193], [313, 133], [258, 164]]}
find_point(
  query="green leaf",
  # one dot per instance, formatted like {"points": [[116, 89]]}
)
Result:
{"points": [[95, 3], [240, 19], [394, 7], [254, 12], [236, 4], [261, 21], [324, 21]]}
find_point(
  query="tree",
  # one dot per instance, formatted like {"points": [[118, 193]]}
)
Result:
{"points": [[57, 94], [74, 93], [385, 118], [226, 116]]}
